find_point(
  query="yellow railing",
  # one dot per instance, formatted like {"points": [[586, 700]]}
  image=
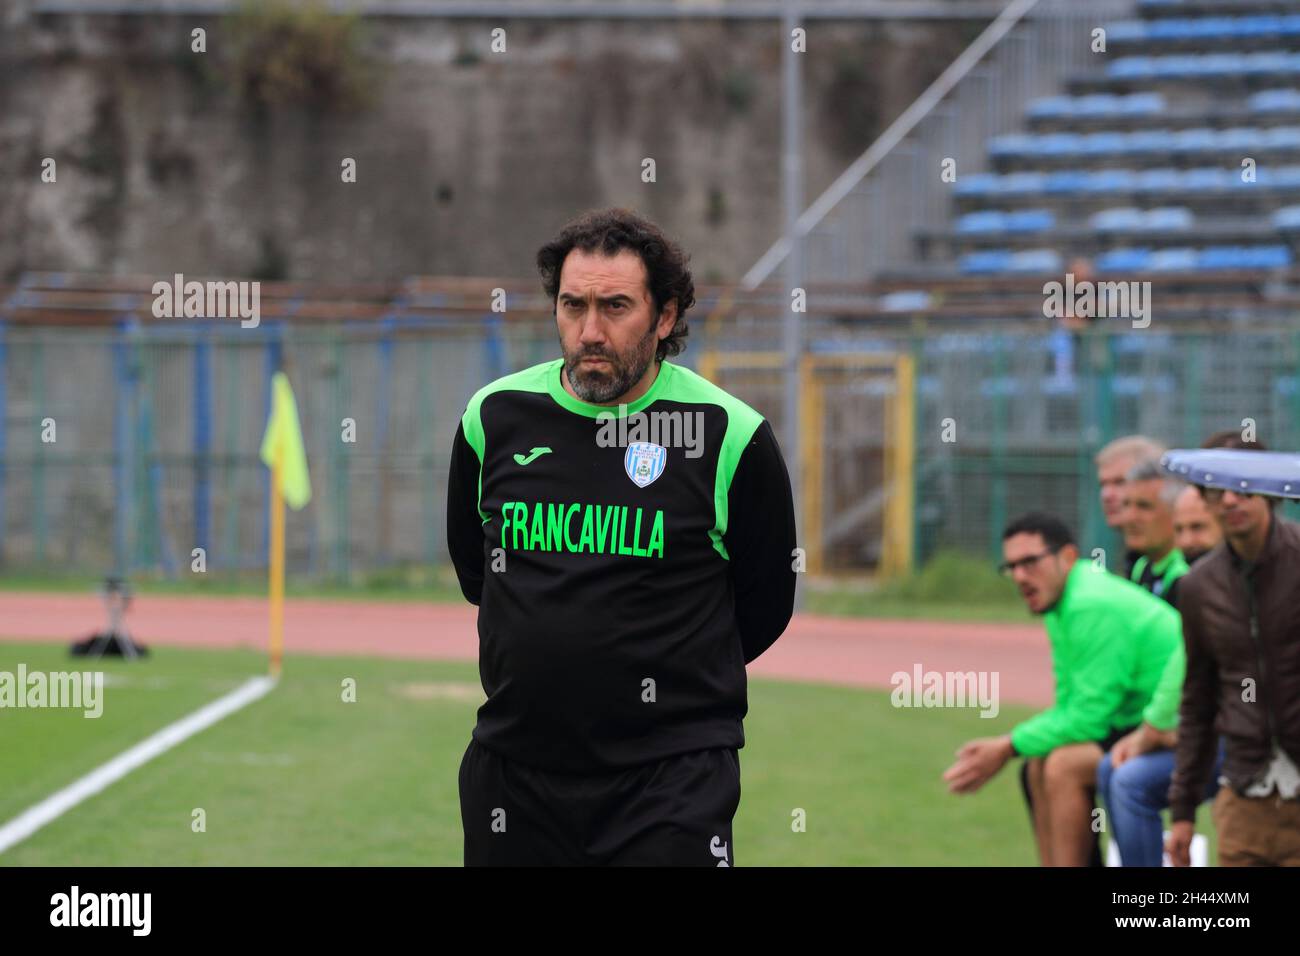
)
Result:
{"points": [[816, 374]]}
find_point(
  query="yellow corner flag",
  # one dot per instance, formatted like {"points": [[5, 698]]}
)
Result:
{"points": [[284, 437], [283, 453]]}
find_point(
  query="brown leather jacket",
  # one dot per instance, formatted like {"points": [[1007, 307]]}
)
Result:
{"points": [[1240, 622]]}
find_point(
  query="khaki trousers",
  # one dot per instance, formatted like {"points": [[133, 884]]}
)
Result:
{"points": [[1256, 831]]}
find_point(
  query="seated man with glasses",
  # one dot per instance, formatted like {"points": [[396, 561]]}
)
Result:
{"points": [[1110, 643]]}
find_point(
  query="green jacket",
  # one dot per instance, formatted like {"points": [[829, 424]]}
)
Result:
{"points": [[1162, 712], [1111, 641]]}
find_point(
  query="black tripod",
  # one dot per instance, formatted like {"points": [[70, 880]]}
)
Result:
{"points": [[115, 642]]}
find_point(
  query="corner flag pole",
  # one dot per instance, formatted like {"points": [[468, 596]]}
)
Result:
{"points": [[277, 563], [282, 451]]}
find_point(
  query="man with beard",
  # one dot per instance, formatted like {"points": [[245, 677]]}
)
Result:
{"points": [[621, 590]]}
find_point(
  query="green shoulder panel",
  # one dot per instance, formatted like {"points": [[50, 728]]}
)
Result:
{"points": [[532, 379], [742, 421]]}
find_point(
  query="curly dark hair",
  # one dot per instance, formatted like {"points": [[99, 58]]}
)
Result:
{"points": [[611, 230]]}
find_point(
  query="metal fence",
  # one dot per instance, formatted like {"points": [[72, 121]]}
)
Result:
{"points": [[127, 449], [865, 223]]}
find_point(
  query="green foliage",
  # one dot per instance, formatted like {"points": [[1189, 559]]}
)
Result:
{"points": [[291, 54], [717, 206], [738, 89], [952, 586], [953, 577]]}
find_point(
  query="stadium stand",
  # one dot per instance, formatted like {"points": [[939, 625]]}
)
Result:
{"points": [[1179, 157]]}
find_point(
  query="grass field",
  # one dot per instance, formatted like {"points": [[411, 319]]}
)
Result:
{"points": [[302, 778]]}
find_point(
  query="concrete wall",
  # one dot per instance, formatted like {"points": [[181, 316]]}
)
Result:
{"points": [[467, 160]]}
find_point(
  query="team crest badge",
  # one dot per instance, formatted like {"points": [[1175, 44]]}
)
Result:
{"points": [[644, 462]]}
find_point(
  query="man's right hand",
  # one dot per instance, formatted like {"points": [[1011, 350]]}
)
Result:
{"points": [[1179, 843], [1141, 741]]}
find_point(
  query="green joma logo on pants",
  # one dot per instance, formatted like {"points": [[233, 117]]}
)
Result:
{"points": [[599, 529], [532, 456]]}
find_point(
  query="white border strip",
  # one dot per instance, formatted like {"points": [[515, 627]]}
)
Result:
{"points": [[52, 807]]}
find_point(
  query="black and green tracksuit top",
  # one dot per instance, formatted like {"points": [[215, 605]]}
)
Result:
{"points": [[624, 578]]}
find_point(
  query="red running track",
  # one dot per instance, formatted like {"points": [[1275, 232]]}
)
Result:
{"points": [[854, 652]]}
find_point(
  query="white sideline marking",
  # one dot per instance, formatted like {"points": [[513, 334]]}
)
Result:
{"points": [[54, 806]]}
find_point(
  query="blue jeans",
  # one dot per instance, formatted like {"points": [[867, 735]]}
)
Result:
{"points": [[1134, 796]]}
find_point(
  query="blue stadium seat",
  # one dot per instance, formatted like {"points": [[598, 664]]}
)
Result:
{"points": [[1141, 103], [1065, 182], [1171, 218], [1170, 30], [1193, 140], [1051, 106], [1222, 257], [1128, 30], [1209, 177], [984, 262], [1133, 67], [1029, 220], [1220, 64], [1275, 100], [905, 301], [1117, 220], [1035, 261], [1108, 180], [1263, 63], [1124, 260], [1244, 257], [1011, 144], [1017, 184], [1264, 25], [1096, 104], [1149, 141], [1172, 260], [1238, 137], [984, 221], [1288, 217], [1281, 137], [1272, 257], [1280, 177], [1058, 144], [976, 184], [1103, 144]]}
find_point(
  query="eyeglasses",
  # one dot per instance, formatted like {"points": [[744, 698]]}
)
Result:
{"points": [[1009, 567], [1212, 496]]}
